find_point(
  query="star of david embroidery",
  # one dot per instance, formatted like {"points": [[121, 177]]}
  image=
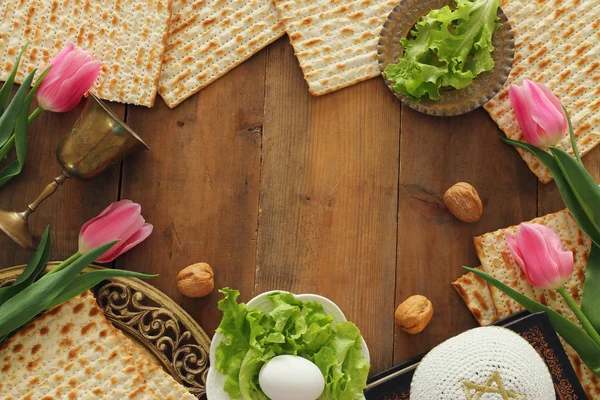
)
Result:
{"points": [[494, 384]]}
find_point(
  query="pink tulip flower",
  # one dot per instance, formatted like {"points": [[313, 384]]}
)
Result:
{"points": [[73, 73], [121, 221], [539, 253], [539, 113]]}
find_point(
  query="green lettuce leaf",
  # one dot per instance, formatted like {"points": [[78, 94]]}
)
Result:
{"points": [[252, 338], [253, 362], [345, 371], [447, 48], [236, 331]]}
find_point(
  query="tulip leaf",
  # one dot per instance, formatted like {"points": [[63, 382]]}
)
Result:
{"points": [[587, 349], [21, 128], [36, 298], [14, 110], [591, 294], [90, 279], [572, 135], [569, 197], [32, 270], [583, 186], [7, 87]]}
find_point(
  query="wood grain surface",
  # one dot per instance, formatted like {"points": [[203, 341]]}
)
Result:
{"points": [[328, 197], [339, 195]]}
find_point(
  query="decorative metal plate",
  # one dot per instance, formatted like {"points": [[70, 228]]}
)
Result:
{"points": [[453, 102], [158, 325]]}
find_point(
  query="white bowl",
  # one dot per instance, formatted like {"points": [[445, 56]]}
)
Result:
{"points": [[215, 380]]}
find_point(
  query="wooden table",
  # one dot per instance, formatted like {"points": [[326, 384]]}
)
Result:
{"points": [[339, 195]]}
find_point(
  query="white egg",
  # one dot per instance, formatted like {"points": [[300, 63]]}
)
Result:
{"points": [[291, 378]]}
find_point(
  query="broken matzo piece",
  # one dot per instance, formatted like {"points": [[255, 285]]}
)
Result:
{"points": [[477, 296], [335, 41], [210, 37]]}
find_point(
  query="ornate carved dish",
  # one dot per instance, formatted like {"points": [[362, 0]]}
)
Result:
{"points": [[453, 102], [158, 325]]}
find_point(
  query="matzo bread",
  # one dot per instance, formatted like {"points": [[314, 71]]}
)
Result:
{"points": [[208, 38], [477, 296], [335, 40], [71, 351], [161, 383], [128, 37], [497, 261], [556, 43]]}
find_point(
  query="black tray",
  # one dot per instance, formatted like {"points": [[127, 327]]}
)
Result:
{"points": [[394, 384]]}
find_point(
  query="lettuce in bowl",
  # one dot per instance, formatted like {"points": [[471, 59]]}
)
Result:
{"points": [[251, 337], [448, 47]]}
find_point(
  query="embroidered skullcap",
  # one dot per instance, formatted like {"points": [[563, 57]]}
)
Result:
{"points": [[489, 363]]}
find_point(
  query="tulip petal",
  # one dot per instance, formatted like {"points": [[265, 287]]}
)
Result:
{"points": [[549, 120], [63, 53], [124, 246], [57, 61], [111, 207], [135, 226], [514, 250], [522, 110], [60, 71], [563, 259], [539, 252], [556, 103], [73, 73], [109, 227], [566, 265], [72, 89], [549, 235], [540, 267]]}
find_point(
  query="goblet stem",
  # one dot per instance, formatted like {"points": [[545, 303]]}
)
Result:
{"points": [[47, 192]]}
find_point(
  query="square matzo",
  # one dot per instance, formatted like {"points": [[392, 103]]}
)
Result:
{"points": [[557, 44], [127, 37]]}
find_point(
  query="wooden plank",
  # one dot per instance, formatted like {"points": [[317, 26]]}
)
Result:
{"points": [[432, 245], [198, 185], [71, 206], [328, 198]]}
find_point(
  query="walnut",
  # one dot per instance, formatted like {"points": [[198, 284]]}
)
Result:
{"points": [[463, 201], [414, 314], [196, 280]]}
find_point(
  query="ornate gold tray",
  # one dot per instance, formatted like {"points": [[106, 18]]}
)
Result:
{"points": [[154, 322], [453, 102]]}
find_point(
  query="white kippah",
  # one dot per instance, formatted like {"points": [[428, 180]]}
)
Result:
{"points": [[488, 363]]}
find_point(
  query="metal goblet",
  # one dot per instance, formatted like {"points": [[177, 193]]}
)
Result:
{"points": [[98, 139]]}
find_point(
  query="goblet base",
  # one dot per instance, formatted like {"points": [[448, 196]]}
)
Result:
{"points": [[15, 225]]}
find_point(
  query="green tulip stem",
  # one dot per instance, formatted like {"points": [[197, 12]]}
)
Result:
{"points": [[10, 143], [36, 113], [65, 263], [572, 135], [587, 325]]}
